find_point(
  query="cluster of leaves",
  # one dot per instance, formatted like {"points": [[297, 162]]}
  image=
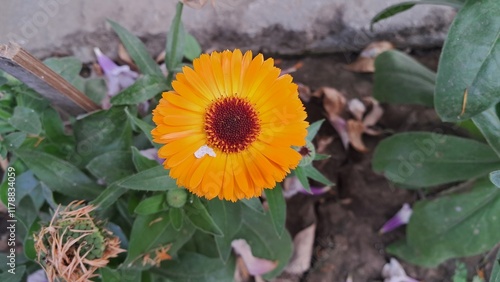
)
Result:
{"points": [[97, 157], [462, 221]]}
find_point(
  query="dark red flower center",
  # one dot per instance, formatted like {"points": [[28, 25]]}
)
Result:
{"points": [[231, 124], [304, 151]]}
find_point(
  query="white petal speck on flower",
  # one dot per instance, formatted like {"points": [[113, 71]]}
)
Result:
{"points": [[256, 266], [37, 276], [204, 150], [394, 272], [402, 217]]}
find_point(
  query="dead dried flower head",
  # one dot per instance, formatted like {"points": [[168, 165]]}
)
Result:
{"points": [[75, 244]]}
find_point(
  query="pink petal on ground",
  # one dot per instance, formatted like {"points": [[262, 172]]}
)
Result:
{"points": [[255, 266]]}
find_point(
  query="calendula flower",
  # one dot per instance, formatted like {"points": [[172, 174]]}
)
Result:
{"points": [[229, 126], [75, 244]]}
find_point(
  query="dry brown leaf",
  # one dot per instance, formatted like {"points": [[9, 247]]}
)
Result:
{"points": [[97, 69], [323, 143], [365, 63], [161, 57], [357, 108], [294, 68], [355, 131], [241, 272], [302, 252], [125, 57], [334, 102], [305, 93], [375, 114], [196, 4]]}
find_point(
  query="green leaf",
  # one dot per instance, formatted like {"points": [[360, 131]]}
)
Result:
{"points": [[254, 204], [101, 132], [29, 243], [176, 217], [403, 6], [400, 79], [320, 157], [489, 124], [54, 128], [26, 120], [14, 140], [142, 163], [424, 159], [136, 50], [175, 41], [471, 219], [144, 88], [192, 48], [110, 275], [258, 231], [69, 68], [277, 208], [314, 174], [153, 179], [111, 166], [402, 250], [469, 62], [160, 233], [143, 126], [17, 276], [151, 205], [301, 175], [495, 273], [201, 219], [59, 175], [227, 216], [313, 129], [194, 267], [95, 89]]}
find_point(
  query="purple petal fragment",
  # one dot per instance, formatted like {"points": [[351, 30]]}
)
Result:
{"points": [[394, 272], [293, 186], [255, 266], [402, 217]]}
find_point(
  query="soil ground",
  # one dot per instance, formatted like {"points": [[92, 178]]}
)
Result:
{"points": [[348, 217]]}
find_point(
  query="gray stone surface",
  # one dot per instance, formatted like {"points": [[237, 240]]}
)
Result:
{"points": [[74, 27]]}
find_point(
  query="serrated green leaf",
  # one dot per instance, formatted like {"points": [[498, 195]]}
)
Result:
{"points": [[227, 216], [201, 219], [258, 231], [59, 175], [400, 79], [142, 163], [136, 50], [469, 63], [151, 205], [424, 159], [176, 217], [192, 48], [469, 218], [26, 120], [175, 41], [277, 208], [403, 6], [144, 88], [111, 166]]}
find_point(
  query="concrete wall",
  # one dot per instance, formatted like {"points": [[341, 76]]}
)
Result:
{"points": [[74, 27]]}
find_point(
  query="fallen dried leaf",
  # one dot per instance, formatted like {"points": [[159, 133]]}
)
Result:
{"points": [[365, 63], [305, 93], [357, 108], [125, 57], [375, 114], [241, 272], [256, 266], [294, 68], [323, 143], [334, 102], [355, 131], [302, 252]]}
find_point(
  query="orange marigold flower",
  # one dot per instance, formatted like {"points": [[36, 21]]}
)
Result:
{"points": [[229, 126]]}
